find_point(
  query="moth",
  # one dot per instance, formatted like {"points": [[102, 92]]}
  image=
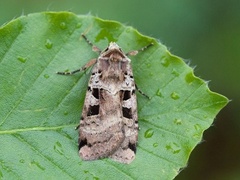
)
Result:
{"points": [[109, 121]]}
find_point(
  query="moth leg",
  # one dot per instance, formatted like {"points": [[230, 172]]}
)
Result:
{"points": [[89, 64], [141, 92], [94, 48], [135, 52]]}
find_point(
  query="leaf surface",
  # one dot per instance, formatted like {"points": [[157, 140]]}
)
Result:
{"points": [[40, 109]]}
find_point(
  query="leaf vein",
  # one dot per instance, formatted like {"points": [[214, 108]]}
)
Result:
{"points": [[15, 131]]}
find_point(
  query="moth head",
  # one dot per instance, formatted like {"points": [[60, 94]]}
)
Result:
{"points": [[113, 50], [113, 46]]}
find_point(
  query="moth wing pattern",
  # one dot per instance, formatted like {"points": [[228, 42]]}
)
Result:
{"points": [[127, 150], [108, 127], [109, 122]]}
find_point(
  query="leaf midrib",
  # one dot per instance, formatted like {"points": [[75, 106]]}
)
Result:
{"points": [[50, 128]]}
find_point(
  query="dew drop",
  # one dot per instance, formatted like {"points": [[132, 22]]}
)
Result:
{"points": [[148, 65], [65, 113], [3, 166], [175, 96], [198, 132], [189, 78], [128, 30], [78, 25], [63, 25], [155, 144], [175, 73], [70, 32], [22, 161], [173, 147], [21, 59], [165, 62], [197, 127], [38, 165], [149, 133], [48, 44], [168, 147], [158, 93], [96, 178], [46, 76], [178, 121], [196, 136], [58, 148], [176, 151]]}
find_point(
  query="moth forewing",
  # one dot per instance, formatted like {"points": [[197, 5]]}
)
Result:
{"points": [[109, 121]]}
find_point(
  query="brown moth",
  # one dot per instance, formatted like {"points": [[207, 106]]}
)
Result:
{"points": [[109, 121]]}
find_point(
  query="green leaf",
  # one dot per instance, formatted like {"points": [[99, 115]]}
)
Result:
{"points": [[39, 109]]}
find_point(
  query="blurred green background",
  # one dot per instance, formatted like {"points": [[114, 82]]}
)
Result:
{"points": [[206, 33]]}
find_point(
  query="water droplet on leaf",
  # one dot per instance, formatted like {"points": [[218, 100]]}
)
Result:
{"points": [[175, 96], [128, 30], [165, 62], [48, 44], [63, 25], [175, 73], [149, 133], [38, 165], [78, 25], [155, 144], [46, 76], [148, 65], [58, 148], [159, 93], [197, 127], [22, 59], [189, 78], [178, 121], [173, 147]]}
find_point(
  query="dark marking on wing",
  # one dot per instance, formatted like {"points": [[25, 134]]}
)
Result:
{"points": [[82, 143], [127, 112], [126, 95], [132, 147], [95, 93], [93, 110]]}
